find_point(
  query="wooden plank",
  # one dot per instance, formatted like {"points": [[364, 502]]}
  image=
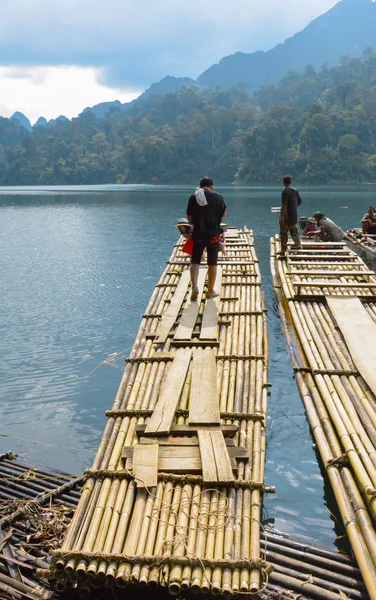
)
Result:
{"points": [[321, 250], [359, 332], [331, 273], [227, 430], [186, 451], [321, 297], [170, 315], [176, 465], [222, 459], [194, 342], [203, 399], [145, 465], [209, 467], [325, 263], [178, 441], [329, 245], [340, 284], [189, 317], [164, 412], [209, 327], [321, 257]]}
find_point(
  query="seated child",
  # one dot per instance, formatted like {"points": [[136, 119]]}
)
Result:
{"points": [[185, 227], [311, 225]]}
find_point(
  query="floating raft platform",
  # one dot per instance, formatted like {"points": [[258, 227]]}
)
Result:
{"points": [[174, 496], [37, 504], [354, 237], [328, 305]]}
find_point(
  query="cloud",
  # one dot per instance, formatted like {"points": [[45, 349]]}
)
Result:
{"points": [[136, 43], [52, 91]]}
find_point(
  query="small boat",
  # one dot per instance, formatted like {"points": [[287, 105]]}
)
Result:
{"points": [[356, 238]]}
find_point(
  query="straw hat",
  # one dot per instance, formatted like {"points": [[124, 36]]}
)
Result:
{"points": [[311, 220], [183, 223]]}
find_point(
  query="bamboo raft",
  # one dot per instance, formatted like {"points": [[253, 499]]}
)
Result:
{"points": [[354, 237], [36, 505], [328, 304], [174, 495]]}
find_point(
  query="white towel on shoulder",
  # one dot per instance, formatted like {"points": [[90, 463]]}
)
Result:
{"points": [[200, 197]]}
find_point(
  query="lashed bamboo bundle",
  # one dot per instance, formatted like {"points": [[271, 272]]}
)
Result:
{"points": [[340, 406], [181, 534]]}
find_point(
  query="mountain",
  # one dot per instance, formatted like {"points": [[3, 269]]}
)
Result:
{"points": [[61, 119], [100, 110], [167, 85], [19, 118], [42, 122], [348, 28]]}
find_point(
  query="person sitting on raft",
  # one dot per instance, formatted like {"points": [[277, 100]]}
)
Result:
{"points": [[369, 222], [326, 229], [311, 226], [185, 227]]}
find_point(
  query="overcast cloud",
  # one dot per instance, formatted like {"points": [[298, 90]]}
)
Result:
{"points": [[135, 43]]}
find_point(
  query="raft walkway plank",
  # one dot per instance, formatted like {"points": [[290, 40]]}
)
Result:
{"points": [[145, 465], [204, 402], [190, 313], [344, 273], [209, 327], [359, 332], [216, 464], [164, 412], [170, 315]]}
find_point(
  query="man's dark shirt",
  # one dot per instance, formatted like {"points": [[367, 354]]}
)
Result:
{"points": [[291, 197], [206, 219]]}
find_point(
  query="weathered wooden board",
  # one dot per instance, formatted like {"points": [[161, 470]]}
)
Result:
{"points": [[178, 441], [209, 467], [209, 327], [359, 332], [227, 430], [324, 260], [316, 244], [203, 399], [164, 412], [339, 284], [216, 463], [320, 251], [178, 465], [321, 273], [145, 465], [170, 315], [189, 316], [190, 450], [222, 459]]}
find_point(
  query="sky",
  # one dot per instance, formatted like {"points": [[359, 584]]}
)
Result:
{"points": [[59, 56]]}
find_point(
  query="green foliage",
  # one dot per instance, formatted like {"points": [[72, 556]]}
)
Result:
{"points": [[318, 126]]}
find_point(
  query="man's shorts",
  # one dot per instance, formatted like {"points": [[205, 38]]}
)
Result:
{"points": [[212, 252]]}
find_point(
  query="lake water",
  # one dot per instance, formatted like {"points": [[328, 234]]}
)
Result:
{"points": [[78, 266]]}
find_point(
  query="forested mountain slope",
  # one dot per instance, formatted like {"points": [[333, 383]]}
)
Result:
{"points": [[319, 126]]}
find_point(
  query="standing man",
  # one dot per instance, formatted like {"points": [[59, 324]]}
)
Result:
{"points": [[289, 216], [205, 210]]}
